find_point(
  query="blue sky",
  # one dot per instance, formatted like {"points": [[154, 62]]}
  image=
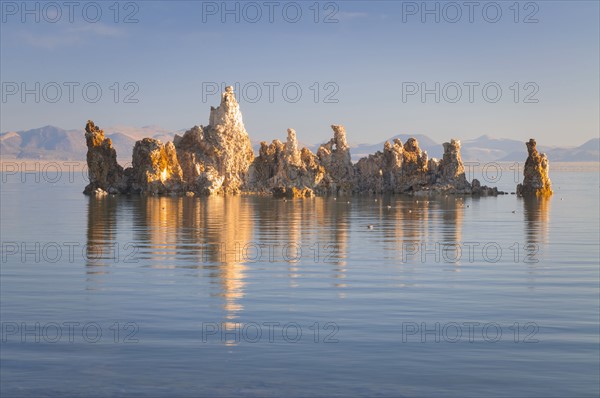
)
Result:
{"points": [[362, 64]]}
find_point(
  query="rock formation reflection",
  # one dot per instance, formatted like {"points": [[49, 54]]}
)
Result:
{"points": [[102, 247], [313, 232], [536, 213], [210, 234], [203, 233], [333, 220], [156, 223], [222, 238], [228, 222], [413, 224]]}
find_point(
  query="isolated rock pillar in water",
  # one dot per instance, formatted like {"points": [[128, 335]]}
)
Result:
{"points": [[536, 181]]}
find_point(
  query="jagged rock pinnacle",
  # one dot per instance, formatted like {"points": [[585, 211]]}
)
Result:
{"points": [[291, 148], [536, 180], [227, 117], [105, 174]]}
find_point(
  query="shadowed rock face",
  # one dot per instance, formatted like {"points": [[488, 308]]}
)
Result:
{"points": [[536, 181], [106, 175], [414, 168], [450, 170], [335, 158], [451, 166], [407, 169], [284, 170], [369, 175], [218, 159]]}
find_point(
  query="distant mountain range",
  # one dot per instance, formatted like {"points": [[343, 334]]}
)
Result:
{"points": [[54, 143]]}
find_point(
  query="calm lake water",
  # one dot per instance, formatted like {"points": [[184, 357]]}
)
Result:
{"points": [[171, 296]]}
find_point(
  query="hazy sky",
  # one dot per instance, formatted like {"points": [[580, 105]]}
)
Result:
{"points": [[363, 64]]}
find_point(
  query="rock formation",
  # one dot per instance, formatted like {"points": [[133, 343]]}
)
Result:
{"points": [[284, 170], [335, 158], [155, 168], [106, 175], [414, 168], [218, 159], [368, 174], [536, 181], [479, 190], [448, 174], [407, 169], [393, 159], [451, 170]]}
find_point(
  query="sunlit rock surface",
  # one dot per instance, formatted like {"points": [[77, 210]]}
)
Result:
{"points": [[218, 159], [156, 169], [536, 181]]}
